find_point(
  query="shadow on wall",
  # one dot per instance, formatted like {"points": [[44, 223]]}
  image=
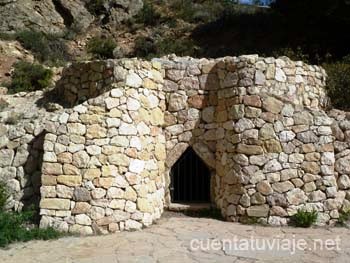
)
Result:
{"points": [[20, 165], [32, 175], [90, 81]]}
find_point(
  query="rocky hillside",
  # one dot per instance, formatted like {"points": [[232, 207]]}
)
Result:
{"points": [[58, 16]]}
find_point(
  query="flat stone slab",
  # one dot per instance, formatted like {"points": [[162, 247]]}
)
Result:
{"points": [[178, 238]]}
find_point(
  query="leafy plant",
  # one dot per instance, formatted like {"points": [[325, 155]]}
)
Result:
{"points": [[30, 77], [338, 83], [96, 7], [179, 46], [3, 196], [304, 218], [48, 48], [344, 217], [148, 15], [101, 48], [294, 54], [17, 226], [149, 48], [145, 47], [14, 227], [200, 11]]}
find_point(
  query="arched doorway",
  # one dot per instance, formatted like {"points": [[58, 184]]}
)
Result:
{"points": [[190, 179]]}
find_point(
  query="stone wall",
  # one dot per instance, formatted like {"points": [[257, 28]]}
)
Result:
{"points": [[104, 159], [22, 131], [257, 123]]}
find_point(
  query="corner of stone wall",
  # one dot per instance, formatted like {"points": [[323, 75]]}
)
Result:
{"points": [[104, 158]]}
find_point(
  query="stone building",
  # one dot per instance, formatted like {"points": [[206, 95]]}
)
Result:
{"points": [[255, 127]]}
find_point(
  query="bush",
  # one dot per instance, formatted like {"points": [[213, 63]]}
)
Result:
{"points": [[47, 48], [96, 7], [304, 218], [3, 196], [14, 227], [149, 48], [30, 77], [145, 48], [101, 48], [148, 15], [338, 83], [344, 218], [200, 11], [293, 54], [178, 46]]}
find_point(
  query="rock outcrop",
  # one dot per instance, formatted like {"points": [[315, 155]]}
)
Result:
{"points": [[57, 16], [44, 16]]}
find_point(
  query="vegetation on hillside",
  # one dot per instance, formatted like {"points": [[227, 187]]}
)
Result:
{"points": [[101, 48], [30, 77], [315, 31]]}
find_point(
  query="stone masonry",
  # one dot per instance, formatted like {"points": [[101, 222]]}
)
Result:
{"points": [[257, 123]]}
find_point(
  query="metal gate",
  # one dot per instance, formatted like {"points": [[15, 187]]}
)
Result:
{"points": [[190, 179]]}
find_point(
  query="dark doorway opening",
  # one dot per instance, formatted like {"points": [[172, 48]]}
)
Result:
{"points": [[190, 179]]}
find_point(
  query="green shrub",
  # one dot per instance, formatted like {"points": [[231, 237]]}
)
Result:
{"points": [[96, 7], [148, 15], [149, 48], [178, 46], [338, 83], [14, 227], [344, 218], [293, 54], [48, 48], [304, 218], [145, 48], [30, 77], [199, 11], [3, 196], [101, 48]]}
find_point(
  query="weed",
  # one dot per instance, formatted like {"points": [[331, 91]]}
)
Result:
{"points": [[304, 218], [344, 217]]}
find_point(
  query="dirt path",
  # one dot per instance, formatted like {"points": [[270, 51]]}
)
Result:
{"points": [[185, 239]]}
